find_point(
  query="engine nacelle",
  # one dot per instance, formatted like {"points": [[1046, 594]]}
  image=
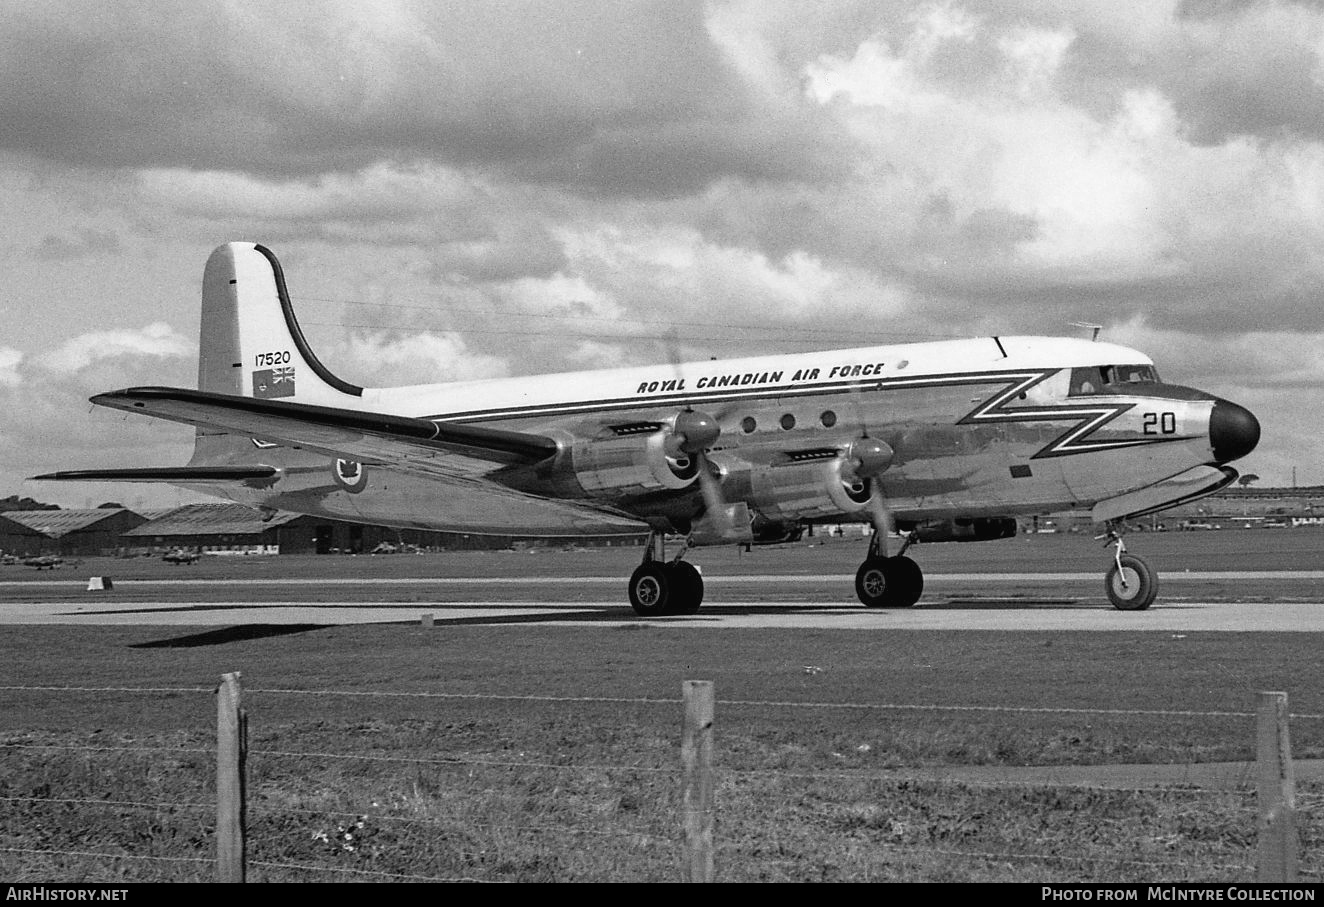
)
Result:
{"points": [[976, 529], [632, 464], [821, 488]]}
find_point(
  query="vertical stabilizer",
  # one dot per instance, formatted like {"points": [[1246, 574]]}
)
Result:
{"points": [[251, 344]]}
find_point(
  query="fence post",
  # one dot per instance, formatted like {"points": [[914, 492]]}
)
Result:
{"points": [[1276, 858], [231, 779], [696, 757]]}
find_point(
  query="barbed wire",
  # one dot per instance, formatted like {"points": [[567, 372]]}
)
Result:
{"points": [[118, 803], [108, 749], [427, 820], [645, 700], [1023, 856], [494, 763], [102, 855], [1305, 805], [403, 877]]}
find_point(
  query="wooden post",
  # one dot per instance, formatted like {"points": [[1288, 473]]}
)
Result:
{"points": [[696, 757], [1276, 858], [231, 779]]}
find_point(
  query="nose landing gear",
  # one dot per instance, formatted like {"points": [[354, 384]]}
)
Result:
{"points": [[1130, 583]]}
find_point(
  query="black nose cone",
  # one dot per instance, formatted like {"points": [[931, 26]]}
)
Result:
{"points": [[1233, 431]]}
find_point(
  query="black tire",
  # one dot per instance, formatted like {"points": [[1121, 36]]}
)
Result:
{"points": [[687, 593], [889, 582], [652, 588], [905, 581], [1133, 587]]}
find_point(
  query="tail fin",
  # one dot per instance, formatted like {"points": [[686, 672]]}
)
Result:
{"points": [[250, 345]]}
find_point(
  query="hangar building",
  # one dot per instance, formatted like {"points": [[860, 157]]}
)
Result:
{"points": [[87, 533]]}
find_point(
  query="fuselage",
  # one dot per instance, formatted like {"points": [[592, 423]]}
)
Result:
{"points": [[992, 426]]}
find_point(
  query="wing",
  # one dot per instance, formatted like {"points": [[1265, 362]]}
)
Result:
{"points": [[401, 442]]}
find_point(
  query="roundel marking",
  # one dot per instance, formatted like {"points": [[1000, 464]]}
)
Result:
{"points": [[350, 475]]}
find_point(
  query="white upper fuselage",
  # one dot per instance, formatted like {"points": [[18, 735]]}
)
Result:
{"points": [[623, 390]]}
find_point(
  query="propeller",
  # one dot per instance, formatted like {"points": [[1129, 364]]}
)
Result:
{"points": [[693, 432], [868, 458]]}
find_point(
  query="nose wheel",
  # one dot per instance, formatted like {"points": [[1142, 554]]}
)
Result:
{"points": [[1130, 582]]}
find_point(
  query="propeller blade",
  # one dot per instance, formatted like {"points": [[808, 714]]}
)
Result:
{"points": [[881, 518], [713, 500]]}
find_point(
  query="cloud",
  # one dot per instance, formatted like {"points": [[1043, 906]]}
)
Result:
{"points": [[84, 243], [155, 341], [10, 360], [424, 358], [530, 187], [608, 96]]}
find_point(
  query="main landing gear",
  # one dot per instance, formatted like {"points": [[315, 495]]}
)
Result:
{"points": [[888, 582], [659, 586], [1130, 583]]}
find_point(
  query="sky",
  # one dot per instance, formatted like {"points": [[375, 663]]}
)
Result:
{"points": [[495, 187]]}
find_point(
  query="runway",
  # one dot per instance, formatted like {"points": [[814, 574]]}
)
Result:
{"points": [[970, 601]]}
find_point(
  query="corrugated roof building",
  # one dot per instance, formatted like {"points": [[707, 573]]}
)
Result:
{"points": [[212, 527], [66, 532]]}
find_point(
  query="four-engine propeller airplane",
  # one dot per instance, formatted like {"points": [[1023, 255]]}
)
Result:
{"points": [[941, 441]]}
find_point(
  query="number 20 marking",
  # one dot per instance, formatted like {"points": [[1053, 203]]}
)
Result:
{"points": [[1160, 423]]}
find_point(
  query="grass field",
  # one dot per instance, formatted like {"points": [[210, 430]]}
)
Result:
{"points": [[390, 752], [574, 776]]}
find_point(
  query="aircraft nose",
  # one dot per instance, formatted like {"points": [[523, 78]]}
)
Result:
{"points": [[1233, 431]]}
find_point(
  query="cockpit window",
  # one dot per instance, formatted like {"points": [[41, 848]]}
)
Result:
{"points": [[1130, 374], [1096, 379], [1087, 380]]}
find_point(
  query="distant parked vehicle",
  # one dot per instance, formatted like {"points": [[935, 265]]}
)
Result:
{"points": [[180, 556], [1192, 524], [44, 561]]}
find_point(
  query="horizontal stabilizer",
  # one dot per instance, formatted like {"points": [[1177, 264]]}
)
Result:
{"points": [[368, 436], [164, 474]]}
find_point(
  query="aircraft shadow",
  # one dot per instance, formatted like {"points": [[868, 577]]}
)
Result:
{"points": [[239, 633]]}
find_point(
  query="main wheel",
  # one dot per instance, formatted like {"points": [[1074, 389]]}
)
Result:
{"points": [[871, 582], [889, 582], [1133, 587], [906, 581], [652, 587], [687, 588]]}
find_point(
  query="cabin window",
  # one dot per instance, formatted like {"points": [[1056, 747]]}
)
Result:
{"points": [[747, 425], [788, 422], [829, 419]]}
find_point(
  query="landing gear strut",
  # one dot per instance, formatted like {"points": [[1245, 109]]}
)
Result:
{"points": [[659, 587], [888, 582], [1130, 583]]}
